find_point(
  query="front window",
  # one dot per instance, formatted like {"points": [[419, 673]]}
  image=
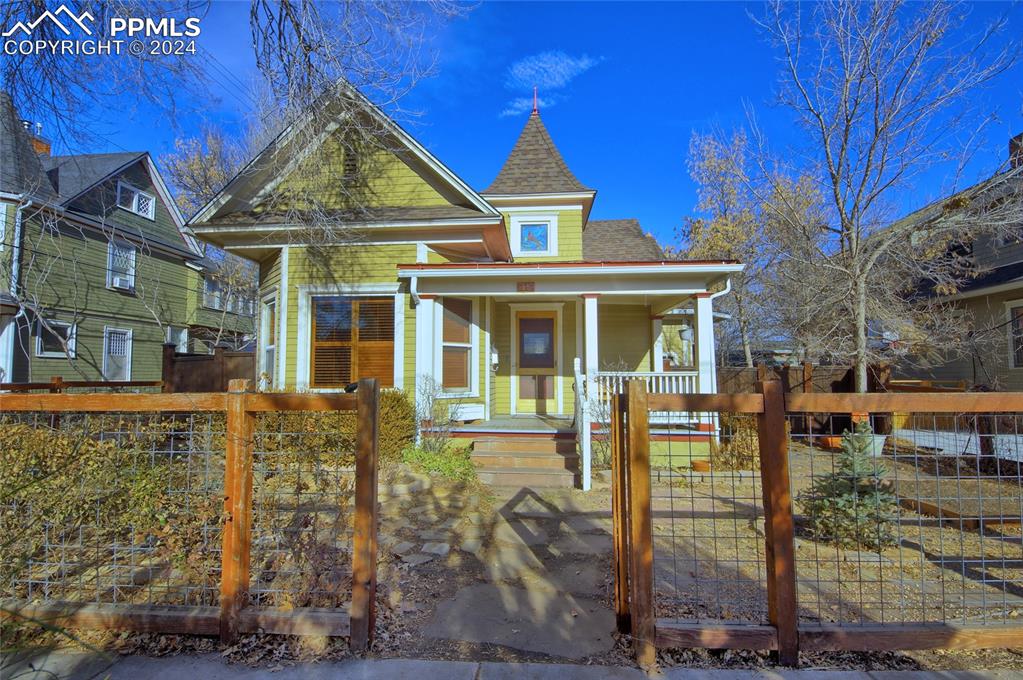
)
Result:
{"points": [[457, 345], [534, 235], [121, 258], [1016, 336], [55, 339], [117, 354], [268, 331], [135, 200], [178, 336], [352, 338], [535, 238]]}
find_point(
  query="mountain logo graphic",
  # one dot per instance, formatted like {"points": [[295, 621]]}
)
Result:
{"points": [[69, 16]]}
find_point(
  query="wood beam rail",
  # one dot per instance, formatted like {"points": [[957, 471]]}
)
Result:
{"points": [[944, 402], [891, 637]]}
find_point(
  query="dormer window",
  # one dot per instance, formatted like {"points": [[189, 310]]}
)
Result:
{"points": [[534, 235], [135, 200]]}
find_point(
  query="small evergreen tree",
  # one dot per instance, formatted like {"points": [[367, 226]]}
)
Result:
{"points": [[852, 506]]}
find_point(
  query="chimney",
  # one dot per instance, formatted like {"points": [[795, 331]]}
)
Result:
{"points": [[1016, 151], [40, 144]]}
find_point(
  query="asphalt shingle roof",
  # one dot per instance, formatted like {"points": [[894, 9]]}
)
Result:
{"points": [[77, 173], [619, 241], [534, 165], [20, 169]]}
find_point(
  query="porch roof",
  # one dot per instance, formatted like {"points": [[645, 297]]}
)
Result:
{"points": [[571, 268]]}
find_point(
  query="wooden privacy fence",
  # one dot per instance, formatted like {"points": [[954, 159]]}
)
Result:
{"points": [[755, 557], [205, 372], [210, 514]]}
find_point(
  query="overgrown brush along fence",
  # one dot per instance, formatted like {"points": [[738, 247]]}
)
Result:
{"points": [[210, 514], [905, 535]]}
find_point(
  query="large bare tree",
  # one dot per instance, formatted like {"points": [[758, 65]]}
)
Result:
{"points": [[884, 94]]}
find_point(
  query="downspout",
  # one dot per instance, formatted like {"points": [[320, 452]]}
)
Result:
{"points": [[727, 289], [16, 245], [713, 296], [413, 289]]}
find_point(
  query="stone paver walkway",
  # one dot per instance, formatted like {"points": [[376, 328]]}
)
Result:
{"points": [[546, 565]]}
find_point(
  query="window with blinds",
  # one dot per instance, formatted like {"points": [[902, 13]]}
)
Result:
{"points": [[457, 345], [352, 338]]}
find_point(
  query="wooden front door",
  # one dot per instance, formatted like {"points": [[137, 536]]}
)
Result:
{"points": [[536, 363]]}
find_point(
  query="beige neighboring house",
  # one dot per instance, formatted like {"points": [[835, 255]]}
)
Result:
{"points": [[995, 302]]}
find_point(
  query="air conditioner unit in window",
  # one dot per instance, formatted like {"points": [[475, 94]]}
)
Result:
{"points": [[122, 283]]}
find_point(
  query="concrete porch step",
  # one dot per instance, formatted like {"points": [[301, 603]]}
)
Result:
{"points": [[524, 445], [527, 477], [488, 460]]}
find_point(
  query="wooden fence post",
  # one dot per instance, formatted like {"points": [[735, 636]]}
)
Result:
{"points": [[364, 548], [641, 547], [807, 389], [620, 515], [235, 555], [779, 528]]}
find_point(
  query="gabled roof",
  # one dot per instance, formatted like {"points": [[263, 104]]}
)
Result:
{"points": [[75, 174], [252, 179], [535, 166], [624, 239], [20, 169]]}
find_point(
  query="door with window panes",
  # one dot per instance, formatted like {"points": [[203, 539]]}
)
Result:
{"points": [[117, 354]]}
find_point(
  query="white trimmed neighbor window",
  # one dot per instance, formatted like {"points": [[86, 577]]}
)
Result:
{"points": [[534, 235], [1016, 334], [121, 259], [135, 200], [53, 336], [268, 338], [117, 353], [178, 335], [456, 346]]}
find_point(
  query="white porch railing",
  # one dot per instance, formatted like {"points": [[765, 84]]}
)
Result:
{"points": [[593, 402], [676, 382]]}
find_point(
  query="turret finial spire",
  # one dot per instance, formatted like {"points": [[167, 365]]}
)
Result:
{"points": [[536, 109]]}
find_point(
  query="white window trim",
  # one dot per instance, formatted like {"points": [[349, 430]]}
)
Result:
{"points": [[1009, 306], [264, 327], [122, 186], [111, 244], [131, 341], [558, 309], [474, 349], [71, 340], [169, 339], [519, 219], [305, 295]]}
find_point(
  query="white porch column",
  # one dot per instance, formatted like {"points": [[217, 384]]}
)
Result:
{"points": [[425, 315], [707, 381], [657, 337], [590, 334], [591, 366]]}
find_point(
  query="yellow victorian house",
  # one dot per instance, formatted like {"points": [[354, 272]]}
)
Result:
{"points": [[510, 303]]}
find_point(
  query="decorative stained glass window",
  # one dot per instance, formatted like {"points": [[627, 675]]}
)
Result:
{"points": [[535, 238]]}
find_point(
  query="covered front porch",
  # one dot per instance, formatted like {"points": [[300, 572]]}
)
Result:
{"points": [[552, 342]]}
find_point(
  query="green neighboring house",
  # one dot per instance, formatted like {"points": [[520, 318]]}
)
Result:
{"points": [[97, 271]]}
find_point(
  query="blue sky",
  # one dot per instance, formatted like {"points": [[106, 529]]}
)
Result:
{"points": [[632, 82]]}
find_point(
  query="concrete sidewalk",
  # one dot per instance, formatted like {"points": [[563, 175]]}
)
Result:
{"points": [[91, 666]]}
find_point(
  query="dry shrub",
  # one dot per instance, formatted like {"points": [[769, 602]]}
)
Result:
{"points": [[739, 448]]}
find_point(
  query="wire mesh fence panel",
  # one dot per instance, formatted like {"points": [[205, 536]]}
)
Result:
{"points": [[708, 515], [111, 508], [909, 518], [303, 509]]}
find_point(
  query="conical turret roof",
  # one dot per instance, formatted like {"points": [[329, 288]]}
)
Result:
{"points": [[534, 165]]}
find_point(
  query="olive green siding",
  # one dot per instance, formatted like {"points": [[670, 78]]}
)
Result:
{"points": [[8, 213], [66, 273], [200, 315], [383, 180], [102, 201], [623, 337], [570, 236], [992, 364]]}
